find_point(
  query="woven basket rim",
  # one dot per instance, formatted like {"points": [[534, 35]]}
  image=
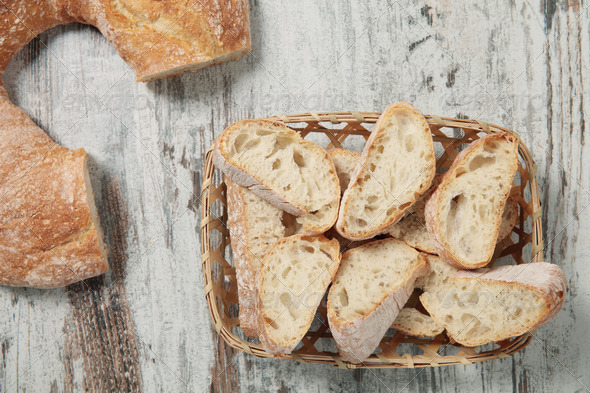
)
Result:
{"points": [[210, 192]]}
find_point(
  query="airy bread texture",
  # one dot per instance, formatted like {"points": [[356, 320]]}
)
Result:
{"points": [[372, 285], [412, 229], [292, 281], [278, 165], [413, 323], [438, 274], [255, 226], [396, 166], [509, 219], [487, 305], [465, 212], [50, 233], [345, 161]]}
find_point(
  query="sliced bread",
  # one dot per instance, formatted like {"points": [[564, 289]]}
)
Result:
{"points": [[412, 229], [396, 166], [372, 285], [413, 323], [438, 274], [345, 161], [509, 219], [254, 226], [278, 165], [465, 212], [488, 305], [291, 282]]}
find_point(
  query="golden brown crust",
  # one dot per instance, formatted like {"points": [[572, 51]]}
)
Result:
{"points": [[48, 237], [50, 234]]}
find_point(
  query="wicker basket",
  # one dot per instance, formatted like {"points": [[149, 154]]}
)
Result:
{"points": [[396, 350]]}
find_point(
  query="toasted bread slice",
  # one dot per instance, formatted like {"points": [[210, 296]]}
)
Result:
{"points": [[292, 281], [488, 305], [372, 285], [465, 212], [413, 323], [275, 163], [345, 161], [396, 166]]}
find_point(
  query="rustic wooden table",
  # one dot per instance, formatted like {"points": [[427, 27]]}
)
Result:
{"points": [[145, 325]]}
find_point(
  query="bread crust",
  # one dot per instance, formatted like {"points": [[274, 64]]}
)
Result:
{"points": [[433, 204], [361, 169], [357, 339], [50, 233], [280, 349], [245, 272], [544, 278], [256, 184]]}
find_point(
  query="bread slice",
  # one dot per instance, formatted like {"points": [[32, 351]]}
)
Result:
{"points": [[278, 165], [438, 274], [254, 225], [345, 161], [291, 283], [487, 305], [509, 219], [372, 285], [413, 323], [411, 229], [396, 166], [465, 212]]}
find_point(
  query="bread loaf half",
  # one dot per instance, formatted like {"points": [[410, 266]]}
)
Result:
{"points": [[278, 165], [487, 305], [396, 166], [372, 285], [465, 212], [413, 323], [291, 283], [345, 161]]}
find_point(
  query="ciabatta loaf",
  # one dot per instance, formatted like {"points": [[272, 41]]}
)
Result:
{"points": [[292, 281], [465, 212], [372, 285], [345, 161], [487, 305], [413, 323], [396, 166], [278, 165]]}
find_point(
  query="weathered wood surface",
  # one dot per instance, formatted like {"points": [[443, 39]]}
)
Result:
{"points": [[145, 325]]}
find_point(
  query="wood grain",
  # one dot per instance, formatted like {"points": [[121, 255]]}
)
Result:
{"points": [[521, 64]]}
